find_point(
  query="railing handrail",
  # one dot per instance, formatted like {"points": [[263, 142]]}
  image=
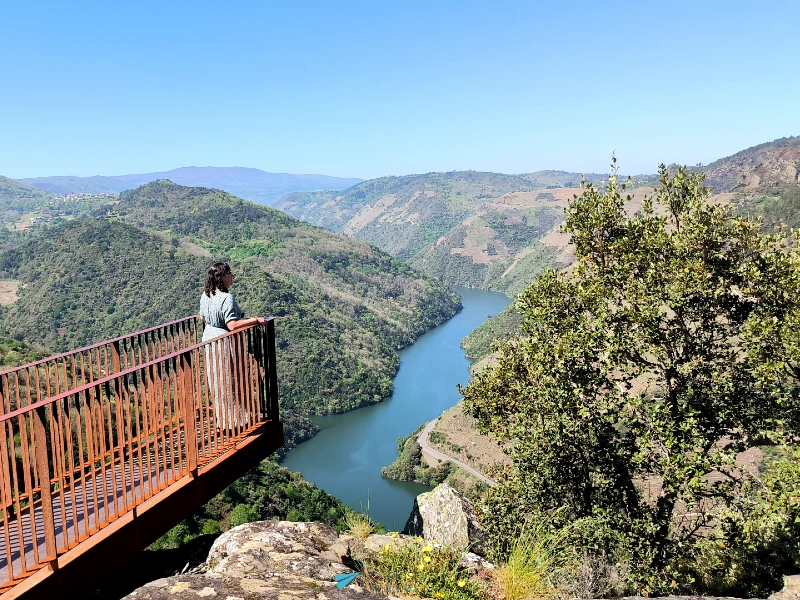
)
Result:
{"points": [[108, 378], [69, 353]]}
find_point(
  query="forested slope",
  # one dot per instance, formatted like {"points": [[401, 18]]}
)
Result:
{"points": [[17, 198], [344, 308]]}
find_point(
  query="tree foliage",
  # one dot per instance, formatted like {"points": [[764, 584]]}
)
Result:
{"points": [[641, 375]]}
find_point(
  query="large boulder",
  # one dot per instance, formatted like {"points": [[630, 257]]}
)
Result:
{"points": [[446, 517], [275, 548], [274, 560]]}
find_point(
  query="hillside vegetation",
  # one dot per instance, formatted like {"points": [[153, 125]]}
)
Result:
{"points": [[17, 199], [344, 308], [25, 208], [769, 165]]}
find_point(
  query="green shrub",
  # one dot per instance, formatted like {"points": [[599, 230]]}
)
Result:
{"points": [[243, 513]]}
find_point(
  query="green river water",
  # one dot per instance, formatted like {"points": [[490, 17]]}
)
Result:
{"points": [[346, 457]]}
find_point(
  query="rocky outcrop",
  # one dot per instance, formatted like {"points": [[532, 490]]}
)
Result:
{"points": [[269, 559], [280, 560], [444, 516]]}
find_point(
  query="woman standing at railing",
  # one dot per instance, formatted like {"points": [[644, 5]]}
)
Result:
{"points": [[221, 314]]}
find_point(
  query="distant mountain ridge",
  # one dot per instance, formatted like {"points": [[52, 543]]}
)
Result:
{"points": [[497, 231], [250, 184]]}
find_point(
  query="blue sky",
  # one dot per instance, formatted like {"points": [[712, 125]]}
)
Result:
{"points": [[364, 89]]}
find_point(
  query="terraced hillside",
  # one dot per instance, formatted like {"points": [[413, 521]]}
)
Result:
{"points": [[16, 199], [25, 208], [467, 228]]}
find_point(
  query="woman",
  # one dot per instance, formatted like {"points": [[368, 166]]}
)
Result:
{"points": [[221, 314]]}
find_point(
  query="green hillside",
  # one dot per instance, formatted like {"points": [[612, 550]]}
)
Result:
{"points": [[17, 199], [25, 208], [344, 308], [504, 325]]}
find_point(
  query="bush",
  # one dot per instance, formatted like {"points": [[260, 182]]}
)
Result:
{"points": [[243, 513]]}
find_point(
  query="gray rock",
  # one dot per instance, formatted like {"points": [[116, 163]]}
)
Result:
{"points": [[274, 548], [284, 587], [790, 591], [476, 563], [273, 560], [445, 517]]}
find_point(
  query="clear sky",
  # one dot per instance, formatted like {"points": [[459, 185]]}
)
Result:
{"points": [[364, 89]]}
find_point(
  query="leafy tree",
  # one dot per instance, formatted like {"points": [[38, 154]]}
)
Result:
{"points": [[642, 373]]}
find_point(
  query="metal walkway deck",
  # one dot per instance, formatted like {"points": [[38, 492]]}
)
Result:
{"points": [[143, 428]]}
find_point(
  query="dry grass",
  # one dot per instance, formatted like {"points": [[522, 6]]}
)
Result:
{"points": [[533, 567], [361, 526]]}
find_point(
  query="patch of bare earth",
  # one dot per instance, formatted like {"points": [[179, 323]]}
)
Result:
{"points": [[465, 443], [8, 292], [192, 248], [25, 221], [476, 246], [538, 198], [721, 199], [369, 214]]}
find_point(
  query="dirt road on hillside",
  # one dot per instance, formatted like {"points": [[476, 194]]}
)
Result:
{"points": [[423, 443]]}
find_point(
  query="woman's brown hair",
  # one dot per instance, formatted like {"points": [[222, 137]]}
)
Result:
{"points": [[214, 278]]}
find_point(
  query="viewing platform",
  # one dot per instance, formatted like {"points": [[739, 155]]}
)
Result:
{"points": [[104, 449]]}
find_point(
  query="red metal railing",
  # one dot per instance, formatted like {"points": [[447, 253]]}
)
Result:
{"points": [[88, 435]]}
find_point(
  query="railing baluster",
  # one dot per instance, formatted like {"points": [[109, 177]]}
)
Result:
{"points": [[188, 407], [6, 486], [5, 490], [17, 495], [42, 465], [171, 397], [93, 448], [120, 427], [27, 481], [272, 372]]}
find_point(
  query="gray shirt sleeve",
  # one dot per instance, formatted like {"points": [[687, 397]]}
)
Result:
{"points": [[230, 310]]}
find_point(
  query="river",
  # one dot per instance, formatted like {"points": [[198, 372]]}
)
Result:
{"points": [[346, 456]]}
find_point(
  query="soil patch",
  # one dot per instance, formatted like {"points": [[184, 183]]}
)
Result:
{"points": [[8, 291], [369, 214]]}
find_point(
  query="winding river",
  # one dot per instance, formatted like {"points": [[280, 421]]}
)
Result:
{"points": [[346, 457]]}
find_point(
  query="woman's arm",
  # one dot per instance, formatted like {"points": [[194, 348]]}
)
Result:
{"points": [[236, 324]]}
